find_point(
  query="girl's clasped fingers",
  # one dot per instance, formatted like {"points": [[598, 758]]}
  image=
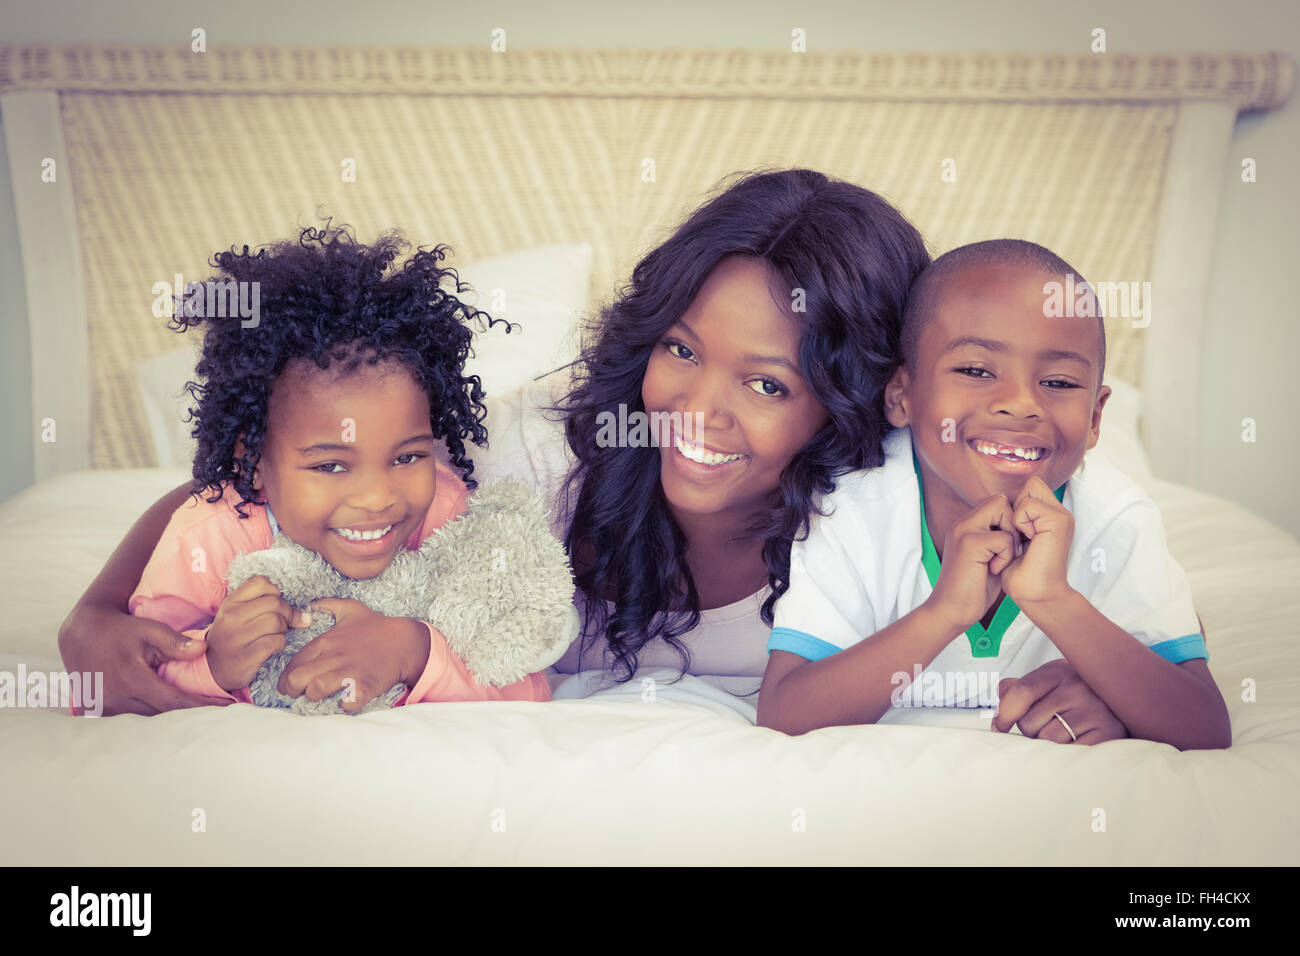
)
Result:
{"points": [[309, 666], [267, 605]]}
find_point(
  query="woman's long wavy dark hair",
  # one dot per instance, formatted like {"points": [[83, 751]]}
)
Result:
{"points": [[330, 299], [855, 256]]}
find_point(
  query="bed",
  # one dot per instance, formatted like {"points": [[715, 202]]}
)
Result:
{"points": [[550, 172]]}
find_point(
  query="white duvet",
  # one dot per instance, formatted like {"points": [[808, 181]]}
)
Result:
{"points": [[649, 772]]}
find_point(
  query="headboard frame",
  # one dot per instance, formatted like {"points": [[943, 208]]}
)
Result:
{"points": [[164, 156]]}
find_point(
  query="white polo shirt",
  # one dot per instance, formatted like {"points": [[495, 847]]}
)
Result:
{"points": [[869, 561]]}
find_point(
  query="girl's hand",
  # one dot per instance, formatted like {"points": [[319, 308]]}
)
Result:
{"points": [[128, 651], [249, 628], [1038, 574], [1055, 688], [371, 651], [977, 550]]}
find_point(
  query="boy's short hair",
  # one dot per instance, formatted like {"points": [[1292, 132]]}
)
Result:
{"points": [[923, 295]]}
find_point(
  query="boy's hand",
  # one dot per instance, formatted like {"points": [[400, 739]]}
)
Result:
{"points": [[1055, 688], [249, 628], [371, 650], [978, 549], [1038, 574]]}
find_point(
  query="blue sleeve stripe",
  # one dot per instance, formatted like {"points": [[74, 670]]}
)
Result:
{"points": [[1180, 649], [797, 642]]}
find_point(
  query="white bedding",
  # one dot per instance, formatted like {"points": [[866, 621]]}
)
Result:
{"points": [[621, 778]]}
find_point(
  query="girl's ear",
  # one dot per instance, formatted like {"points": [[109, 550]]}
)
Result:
{"points": [[896, 398], [239, 453]]}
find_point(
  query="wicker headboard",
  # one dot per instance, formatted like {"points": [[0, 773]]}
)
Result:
{"points": [[164, 156]]}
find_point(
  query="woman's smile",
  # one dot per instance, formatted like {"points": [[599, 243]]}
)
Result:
{"points": [[697, 461]]}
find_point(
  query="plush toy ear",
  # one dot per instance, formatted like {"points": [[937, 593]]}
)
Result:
{"points": [[300, 574]]}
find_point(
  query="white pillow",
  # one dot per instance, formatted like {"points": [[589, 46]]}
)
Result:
{"points": [[160, 382], [1119, 442], [542, 291]]}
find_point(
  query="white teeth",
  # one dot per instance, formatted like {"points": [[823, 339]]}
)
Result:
{"points": [[1025, 454], [363, 535], [702, 455]]}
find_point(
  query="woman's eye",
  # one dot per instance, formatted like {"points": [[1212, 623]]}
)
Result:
{"points": [[413, 456], [685, 352], [766, 386]]}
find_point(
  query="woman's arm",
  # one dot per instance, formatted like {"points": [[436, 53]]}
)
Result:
{"points": [[100, 636]]}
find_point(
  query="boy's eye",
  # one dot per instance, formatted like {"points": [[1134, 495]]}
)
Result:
{"points": [[766, 386], [1058, 383], [685, 352]]}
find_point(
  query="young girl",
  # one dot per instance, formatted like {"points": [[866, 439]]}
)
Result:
{"points": [[321, 420]]}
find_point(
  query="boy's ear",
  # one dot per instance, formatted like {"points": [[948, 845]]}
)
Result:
{"points": [[256, 472], [896, 397], [1094, 430]]}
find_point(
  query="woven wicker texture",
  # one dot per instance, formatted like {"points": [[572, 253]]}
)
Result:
{"points": [[491, 156]]}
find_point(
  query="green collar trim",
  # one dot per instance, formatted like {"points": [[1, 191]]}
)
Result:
{"points": [[983, 643]]}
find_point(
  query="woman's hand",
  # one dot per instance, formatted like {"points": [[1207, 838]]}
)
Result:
{"points": [[364, 650], [99, 636], [1055, 688], [128, 651]]}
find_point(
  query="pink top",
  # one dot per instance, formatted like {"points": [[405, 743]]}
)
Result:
{"points": [[184, 584]]}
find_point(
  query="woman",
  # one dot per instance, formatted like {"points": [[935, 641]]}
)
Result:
{"points": [[763, 330]]}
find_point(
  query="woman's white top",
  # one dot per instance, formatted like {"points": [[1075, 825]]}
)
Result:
{"points": [[526, 442]]}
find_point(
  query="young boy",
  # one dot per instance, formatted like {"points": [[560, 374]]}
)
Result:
{"points": [[985, 547]]}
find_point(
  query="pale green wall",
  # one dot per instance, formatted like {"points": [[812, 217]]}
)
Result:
{"points": [[1255, 342]]}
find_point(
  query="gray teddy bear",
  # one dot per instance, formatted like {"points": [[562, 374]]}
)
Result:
{"points": [[494, 581]]}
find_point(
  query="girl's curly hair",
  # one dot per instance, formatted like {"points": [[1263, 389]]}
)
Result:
{"points": [[854, 256], [330, 299]]}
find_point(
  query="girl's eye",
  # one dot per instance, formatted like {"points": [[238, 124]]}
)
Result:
{"points": [[766, 386], [326, 465], [974, 372], [671, 345]]}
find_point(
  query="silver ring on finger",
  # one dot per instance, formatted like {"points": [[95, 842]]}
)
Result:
{"points": [[1068, 729]]}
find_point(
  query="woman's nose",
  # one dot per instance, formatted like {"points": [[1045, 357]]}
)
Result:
{"points": [[709, 401]]}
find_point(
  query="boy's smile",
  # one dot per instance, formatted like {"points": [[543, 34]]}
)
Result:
{"points": [[347, 465], [997, 391]]}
